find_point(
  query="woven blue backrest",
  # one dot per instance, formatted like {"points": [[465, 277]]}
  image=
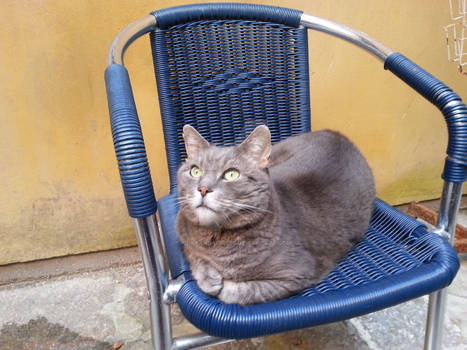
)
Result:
{"points": [[225, 75]]}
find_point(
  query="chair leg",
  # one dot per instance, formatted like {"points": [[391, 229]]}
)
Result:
{"points": [[446, 226], [435, 318], [155, 268]]}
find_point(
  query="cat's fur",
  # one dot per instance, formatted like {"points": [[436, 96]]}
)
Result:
{"points": [[297, 208]]}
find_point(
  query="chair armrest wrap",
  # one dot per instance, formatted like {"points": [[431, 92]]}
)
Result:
{"points": [[450, 104], [181, 14], [129, 144]]}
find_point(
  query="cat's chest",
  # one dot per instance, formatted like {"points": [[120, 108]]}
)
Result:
{"points": [[235, 249], [235, 255]]}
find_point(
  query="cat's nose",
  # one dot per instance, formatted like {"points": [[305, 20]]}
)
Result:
{"points": [[204, 190]]}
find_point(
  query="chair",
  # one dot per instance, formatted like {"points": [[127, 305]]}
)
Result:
{"points": [[225, 68]]}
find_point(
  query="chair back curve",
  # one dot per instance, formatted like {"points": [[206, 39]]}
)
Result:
{"points": [[226, 68]]}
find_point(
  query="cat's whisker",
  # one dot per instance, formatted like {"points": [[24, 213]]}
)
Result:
{"points": [[226, 217], [238, 210], [243, 206], [184, 199], [229, 208], [232, 210], [184, 202], [227, 205]]}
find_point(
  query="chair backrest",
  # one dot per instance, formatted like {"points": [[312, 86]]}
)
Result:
{"points": [[226, 68]]}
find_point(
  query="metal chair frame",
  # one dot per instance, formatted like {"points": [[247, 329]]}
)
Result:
{"points": [[162, 290]]}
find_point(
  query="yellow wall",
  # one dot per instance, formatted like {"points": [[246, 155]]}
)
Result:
{"points": [[60, 190]]}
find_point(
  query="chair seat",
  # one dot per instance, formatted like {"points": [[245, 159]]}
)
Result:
{"points": [[397, 260]]}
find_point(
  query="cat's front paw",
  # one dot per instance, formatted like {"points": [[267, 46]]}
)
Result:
{"points": [[208, 279], [210, 288], [230, 293]]}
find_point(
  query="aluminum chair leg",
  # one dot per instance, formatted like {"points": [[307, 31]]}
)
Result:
{"points": [[155, 268], [434, 325], [156, 271], [449, 206]]}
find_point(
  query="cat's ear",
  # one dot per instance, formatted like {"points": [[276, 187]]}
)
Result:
{"points": [[194, 142], [257, 146]]}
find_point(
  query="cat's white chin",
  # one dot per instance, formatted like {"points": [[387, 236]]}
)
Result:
{"points": [[206, 216]]}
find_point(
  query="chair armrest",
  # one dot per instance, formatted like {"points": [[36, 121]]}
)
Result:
{"points": [[129, 144], [450, 104]]}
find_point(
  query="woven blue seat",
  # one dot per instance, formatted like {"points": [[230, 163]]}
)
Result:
{"points": [[224, 69], [396, 261]]}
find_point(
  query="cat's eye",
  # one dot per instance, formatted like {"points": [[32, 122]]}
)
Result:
{"points": [[231, 174], [196, 172]]}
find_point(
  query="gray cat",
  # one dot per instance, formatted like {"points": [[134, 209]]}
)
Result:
{"points": [[261, 222]]}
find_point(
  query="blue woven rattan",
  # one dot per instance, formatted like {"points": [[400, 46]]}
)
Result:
{"points": [[396, 261], [225, 68], [226, 76]]}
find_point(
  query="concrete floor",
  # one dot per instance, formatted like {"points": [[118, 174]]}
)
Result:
{"points": [[99, 301]]}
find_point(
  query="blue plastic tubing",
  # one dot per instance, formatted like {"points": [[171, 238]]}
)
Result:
{"points": [[182, 14], [129, 144], [450, 104]]}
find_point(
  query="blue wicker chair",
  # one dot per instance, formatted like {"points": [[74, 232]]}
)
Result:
{"points": [[225, 68]]}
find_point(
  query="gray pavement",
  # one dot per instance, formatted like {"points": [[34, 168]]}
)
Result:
{"points": [[99, 301]]}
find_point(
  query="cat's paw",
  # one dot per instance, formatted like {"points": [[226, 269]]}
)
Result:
{"points": [[212, 289], [209, 280], [230, 293]]}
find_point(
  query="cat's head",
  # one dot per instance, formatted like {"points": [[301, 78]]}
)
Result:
{"points": [[225, 187]]}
